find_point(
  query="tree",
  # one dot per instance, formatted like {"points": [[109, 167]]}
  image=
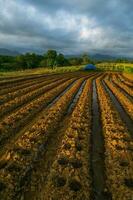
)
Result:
{"points": [[43, 62], [32, 60], [86, 59], [28, 60], [6, 63], [60, 60], [20, 61], [51, 58], [75, 61]]}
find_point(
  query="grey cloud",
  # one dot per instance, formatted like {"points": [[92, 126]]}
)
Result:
{"points": [[68, 26]]}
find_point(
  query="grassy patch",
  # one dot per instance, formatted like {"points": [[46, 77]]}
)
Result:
{"points": [[128, 75], [42, 71], [126, 67]]}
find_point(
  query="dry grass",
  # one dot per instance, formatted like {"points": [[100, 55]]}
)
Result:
{"points": [[129, 76], [41, 71]]}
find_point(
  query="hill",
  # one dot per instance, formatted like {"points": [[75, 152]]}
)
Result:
{"points": [[7, 52]]}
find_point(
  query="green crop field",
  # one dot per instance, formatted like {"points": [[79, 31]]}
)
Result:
{"points": [[110, 66]]}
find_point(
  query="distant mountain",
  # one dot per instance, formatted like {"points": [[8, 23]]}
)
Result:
{"points": [[96, 56], [7, 52], [103, 57]]}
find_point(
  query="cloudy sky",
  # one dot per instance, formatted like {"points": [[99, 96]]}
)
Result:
{"points": [[69, 26]]}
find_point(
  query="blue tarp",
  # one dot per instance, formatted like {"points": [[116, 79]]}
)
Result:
{"points": [[90, 67]]}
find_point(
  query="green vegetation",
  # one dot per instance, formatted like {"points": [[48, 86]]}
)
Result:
{"points": [[50, 60], [53, 62], [42, 71], [114, 66]]}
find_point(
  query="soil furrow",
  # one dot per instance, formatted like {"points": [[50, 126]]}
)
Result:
{"points": [[23, 126], [122, 90], [41, 147], [123, 114], [27, 98], [97, 150], [48, 154]]}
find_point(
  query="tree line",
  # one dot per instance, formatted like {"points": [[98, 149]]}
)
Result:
{"points": [[50, 59]]}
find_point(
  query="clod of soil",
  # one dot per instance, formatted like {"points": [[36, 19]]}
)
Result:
{"points": [[33, 140], [67, 146], [2, 186], [59, 181], [119, 147], [63, 161], [80, 137], [76, 163], [129, 182], [70, 135], [74, 185], [124, 163]]}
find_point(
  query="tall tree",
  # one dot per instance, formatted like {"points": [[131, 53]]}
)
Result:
{"points": [[86, 59], [51, 58], [60, 60], [20, 61], [75, 61]]}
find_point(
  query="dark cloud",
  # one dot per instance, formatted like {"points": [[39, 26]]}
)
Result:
{"points": [[68, 26]]}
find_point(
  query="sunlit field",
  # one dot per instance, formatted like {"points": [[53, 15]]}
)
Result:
{"points": [[66, 135], [110, 66], [44, 70], [66, 100]]}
